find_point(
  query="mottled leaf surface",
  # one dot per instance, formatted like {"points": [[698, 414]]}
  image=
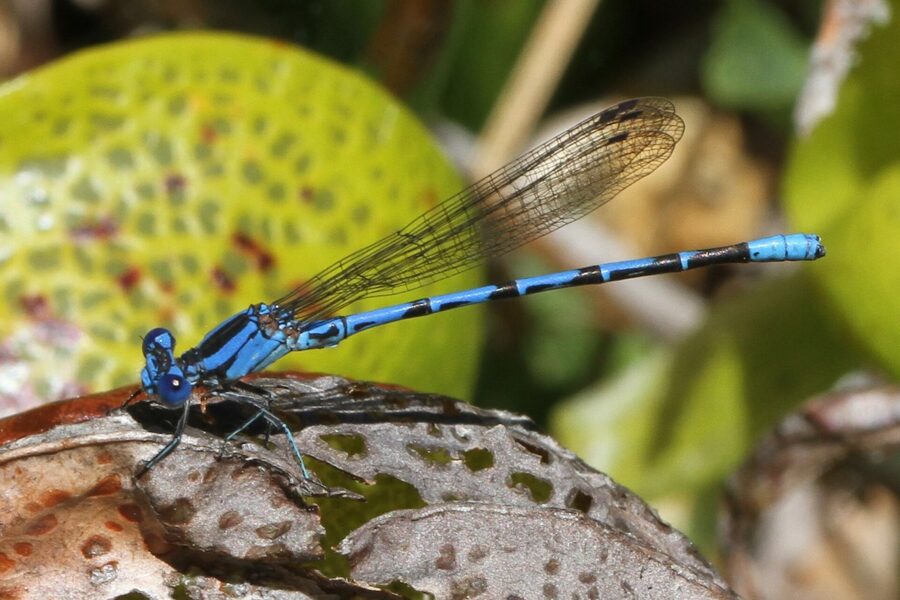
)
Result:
{"points": [[470, 550], [414, 491], [172, 180]]}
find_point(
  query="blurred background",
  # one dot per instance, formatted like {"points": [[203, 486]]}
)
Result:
{"points": [[132, 180]]}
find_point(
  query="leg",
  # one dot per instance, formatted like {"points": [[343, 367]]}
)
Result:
{"points": [[250, 389], [271, 420], [128, 400], [247, 424], [173, 443]]}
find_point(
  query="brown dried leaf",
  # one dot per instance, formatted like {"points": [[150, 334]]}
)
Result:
{"points": [[455, 452], [815, 512], [468, 550], [78, 519]]}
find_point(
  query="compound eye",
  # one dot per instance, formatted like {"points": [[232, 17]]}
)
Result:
{"points": [[174, 390], [158, 337]]}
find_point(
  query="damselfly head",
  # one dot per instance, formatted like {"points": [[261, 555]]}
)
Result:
{"points": [[162, 376], [172, 387], [158, 338]]}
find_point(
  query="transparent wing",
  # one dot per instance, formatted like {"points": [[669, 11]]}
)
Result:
{"points": [[554, 184]]}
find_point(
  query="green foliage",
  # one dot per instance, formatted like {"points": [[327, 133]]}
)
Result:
{"points": [[485, 51], [862, 278], [560, 346], [678, 421], [683, 417], [174, 180], [675, 423], [756, 60], [844, 180]]}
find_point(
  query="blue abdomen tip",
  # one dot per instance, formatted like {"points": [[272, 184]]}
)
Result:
{"points": [[795, 246]]}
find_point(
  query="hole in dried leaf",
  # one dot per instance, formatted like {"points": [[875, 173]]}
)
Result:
{"points": [[531, 448], [539, 489], [351, 445], [579, 501], [406, 591], [434, 456], [340, 516], [477, 459]]}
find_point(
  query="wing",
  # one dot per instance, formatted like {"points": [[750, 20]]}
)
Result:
{"points": [[556, 183]]}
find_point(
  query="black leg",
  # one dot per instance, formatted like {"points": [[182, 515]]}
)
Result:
{"points": [[247, 424], [128, 401], [173, 443], [271, 420], [249, 388]]}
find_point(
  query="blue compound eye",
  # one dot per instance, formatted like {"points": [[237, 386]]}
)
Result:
{"points": [[173, 389], [158, 336]]}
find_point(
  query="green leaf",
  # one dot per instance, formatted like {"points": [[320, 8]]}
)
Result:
{"points": [[175, 180], [756, 59], [491, 36], [559, 346], [842, 182], [862, 277], [677, 422]]}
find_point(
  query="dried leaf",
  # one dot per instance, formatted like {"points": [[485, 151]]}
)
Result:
{"points": [[468, 550], [481, 481], [815, 512]]}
